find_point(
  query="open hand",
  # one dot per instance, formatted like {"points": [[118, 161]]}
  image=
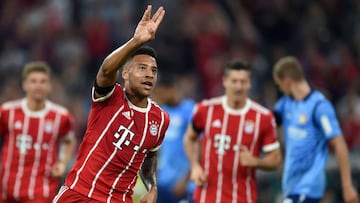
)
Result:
{"points": [[146, 29]]}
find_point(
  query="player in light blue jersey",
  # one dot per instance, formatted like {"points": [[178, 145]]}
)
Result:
{"points": [[173, 166], [310, 125]]}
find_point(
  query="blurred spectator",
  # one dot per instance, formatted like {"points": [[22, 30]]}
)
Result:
{"points": [[349, 112], [208, 29]]}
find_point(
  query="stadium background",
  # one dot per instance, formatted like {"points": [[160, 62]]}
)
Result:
{"points": [[195, 40]]}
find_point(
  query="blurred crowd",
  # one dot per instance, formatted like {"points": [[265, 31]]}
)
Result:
{"points": [[195, 39]]}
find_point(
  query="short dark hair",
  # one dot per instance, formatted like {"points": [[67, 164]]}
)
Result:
{"points": [[145, 50], [237, 64]]}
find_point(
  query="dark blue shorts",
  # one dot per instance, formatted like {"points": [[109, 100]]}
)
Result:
{"points": [[300, 199]]}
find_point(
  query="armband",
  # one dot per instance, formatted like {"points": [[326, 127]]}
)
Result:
{"points": [[198, 130], [102, 90]]}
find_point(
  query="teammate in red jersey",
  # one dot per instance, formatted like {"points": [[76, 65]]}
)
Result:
{"points": [[38, 141], [125, 128], [235, 130]]}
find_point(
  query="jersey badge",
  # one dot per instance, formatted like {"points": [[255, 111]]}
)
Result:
{"points": [[302, 119], [153, 128], [49, 126], [249, 126]]}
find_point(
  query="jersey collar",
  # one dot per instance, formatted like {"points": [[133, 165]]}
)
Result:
{"points": [[308, 95], [305, 98], [136, 108], [31, 113], [230, 110]]}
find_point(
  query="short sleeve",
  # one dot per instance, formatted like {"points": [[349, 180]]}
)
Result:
{"points": [[269, 133], [325, 118], [198, 118], [106, 96], [279, 105], [278, 110], [162, 132], [66, 126]]}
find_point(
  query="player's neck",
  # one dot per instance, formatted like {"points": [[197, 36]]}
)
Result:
{"points": [[300, 90], [137, 101], [236, 104], [35, 105]]}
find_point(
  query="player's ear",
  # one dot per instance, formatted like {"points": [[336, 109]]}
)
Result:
{"points": [[224, 80], [126, 69], [125, 73], [50, 86], [24, 85]]}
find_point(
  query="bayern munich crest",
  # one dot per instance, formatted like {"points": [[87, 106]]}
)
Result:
{"points": [[153, 128], [249, 126], [49, 126]]}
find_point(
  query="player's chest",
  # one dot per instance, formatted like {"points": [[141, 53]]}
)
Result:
{"points": [[23, 124], [30, 133], [298, 122], [140, 132], [297, 113], [233, 129]]}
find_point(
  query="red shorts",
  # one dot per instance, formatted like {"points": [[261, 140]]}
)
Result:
{"points": [[67, 195], [37, 200]]}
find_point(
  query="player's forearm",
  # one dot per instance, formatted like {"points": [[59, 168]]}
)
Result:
{"points": [[342, 156], [67, 148], [192, 146], [148, 171], [108, 72], [270, 161]]}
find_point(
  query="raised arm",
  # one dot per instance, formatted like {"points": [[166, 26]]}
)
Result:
{"points": [[192, 149], [148, 176], [144, 32]]}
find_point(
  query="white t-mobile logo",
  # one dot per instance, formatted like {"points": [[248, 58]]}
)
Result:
{"points": [[23, 142], [222, 143], [125, 137]]}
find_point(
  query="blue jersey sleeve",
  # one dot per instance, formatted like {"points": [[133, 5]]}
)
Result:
{"points": [[326, 119], [279, 106], [279, 110]]}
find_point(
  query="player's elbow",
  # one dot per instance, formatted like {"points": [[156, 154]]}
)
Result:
{"points": [[190, 136], [276, 160]]}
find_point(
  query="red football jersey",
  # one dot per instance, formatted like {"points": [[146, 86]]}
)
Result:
{"points": [[31, 148], [225, 132], [118, 137]]}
